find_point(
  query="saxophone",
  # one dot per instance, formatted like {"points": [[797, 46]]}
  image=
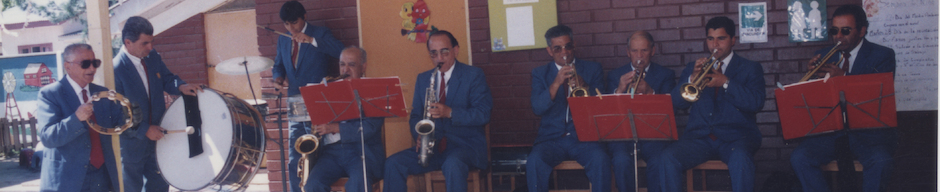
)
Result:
{"points": [[425, 127]]}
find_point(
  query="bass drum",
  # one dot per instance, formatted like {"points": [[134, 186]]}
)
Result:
{"points": [[232, 142]]}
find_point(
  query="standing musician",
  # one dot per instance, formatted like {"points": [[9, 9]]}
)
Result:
{"points": [[463, 110], [76, 157], [341, 154], [557, 140], [655, 79], [874, 148], [722, 122], [301, 59], [142, 77]]}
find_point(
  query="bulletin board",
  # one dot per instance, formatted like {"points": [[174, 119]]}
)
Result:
{"points": [[385, 32], [520, 24], [910, 28]]}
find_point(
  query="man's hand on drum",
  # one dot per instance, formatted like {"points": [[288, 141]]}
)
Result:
{"points": [[155, 132], [85, 111], [191, 89], [326, 128]]}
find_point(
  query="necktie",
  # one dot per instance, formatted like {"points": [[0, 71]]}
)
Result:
{"points": [[147, 85], [293, 54], [97, 157], [443, 142], [443, 89], [845, 61], [715, 99]]}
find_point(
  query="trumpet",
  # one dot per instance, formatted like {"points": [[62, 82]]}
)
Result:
{"points": [[639, 74], [690, 91], [337, 78], [305, 145], [575, 82], [819, 63], [425, 127]]}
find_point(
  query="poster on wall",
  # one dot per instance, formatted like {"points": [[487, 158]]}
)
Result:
{"points": [[29, 74], [910, 28], [753, 17], [807, 20], [416, 21], [519, 24]]}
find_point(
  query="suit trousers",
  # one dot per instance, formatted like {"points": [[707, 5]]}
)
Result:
{"points": [[547, 154], [666, 169], [454, 162], [144, 175], [873, 148], [334, 163], [96, 179], [621, 153]]}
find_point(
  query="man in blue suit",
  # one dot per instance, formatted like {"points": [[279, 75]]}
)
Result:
{"points": [[340, 155], [557, 140], [722, 122], [142, 77], [463, 110], [76, 158], [300, 60], [874, 148], [657, 80]]}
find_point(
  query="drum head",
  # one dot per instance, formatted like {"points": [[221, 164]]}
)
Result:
{"points": [[197, 172]]}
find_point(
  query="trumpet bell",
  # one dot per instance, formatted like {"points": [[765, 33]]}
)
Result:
{"points": [[690, 92], [579, 92], [307, 144]]}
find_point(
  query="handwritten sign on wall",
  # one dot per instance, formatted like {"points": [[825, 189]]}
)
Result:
{"points": [[910, 28]]}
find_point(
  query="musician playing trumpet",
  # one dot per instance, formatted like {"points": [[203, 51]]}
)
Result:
{"points": [[722, 120], [873, 148], [340, 151], [655, 79], [463, 109], [557, 139]]}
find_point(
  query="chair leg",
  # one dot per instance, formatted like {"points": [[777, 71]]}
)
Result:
{"points": [[688, 181]]}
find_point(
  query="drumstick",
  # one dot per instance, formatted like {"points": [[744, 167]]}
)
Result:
{"points": [[278, 32], [189, 130]]}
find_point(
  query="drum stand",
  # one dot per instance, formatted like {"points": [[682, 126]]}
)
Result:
{"points": [[280, 131]]}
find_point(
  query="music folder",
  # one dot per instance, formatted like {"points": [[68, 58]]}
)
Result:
{"points": [[815, 107], [618, 117], [335, 101]]}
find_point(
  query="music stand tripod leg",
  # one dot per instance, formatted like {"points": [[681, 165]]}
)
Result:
{"points": [[636, 141]]}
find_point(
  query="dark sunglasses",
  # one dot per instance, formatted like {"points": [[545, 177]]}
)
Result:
{"points": [[557, 49], [835, 31], [90, 62]]}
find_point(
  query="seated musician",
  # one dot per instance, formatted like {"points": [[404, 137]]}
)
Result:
{"points": [[722, 122], [656, 79], [340, 155], [874, 148], [557, 140], [463, 109], [76, 158]]}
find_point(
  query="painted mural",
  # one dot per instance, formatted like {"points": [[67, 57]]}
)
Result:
{"points": [[31, 73]]}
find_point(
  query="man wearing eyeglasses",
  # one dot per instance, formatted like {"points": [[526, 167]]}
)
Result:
{"points": [[76, 157], [463, 109], [301, 59], [142, 77], [557, 139], [873, 148]]}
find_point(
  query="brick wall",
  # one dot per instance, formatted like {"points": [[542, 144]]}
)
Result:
{"points": [[183, 49], [338, 15]]}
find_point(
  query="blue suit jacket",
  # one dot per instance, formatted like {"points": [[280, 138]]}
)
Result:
{"points": [[471, 104], [127, 82], [375, 150], [661, 79], [732, 115], [68, 146], [871, 58], [312, 61], [553, 110]]}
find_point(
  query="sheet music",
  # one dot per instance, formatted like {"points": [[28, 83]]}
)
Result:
{"points": [[910, 28]]}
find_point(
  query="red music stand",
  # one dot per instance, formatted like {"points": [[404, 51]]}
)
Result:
{"points": [[336, 101], [838, 103], [619, 117]]}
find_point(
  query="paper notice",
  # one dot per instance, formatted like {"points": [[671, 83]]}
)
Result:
{"points": [[519, 26]]}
